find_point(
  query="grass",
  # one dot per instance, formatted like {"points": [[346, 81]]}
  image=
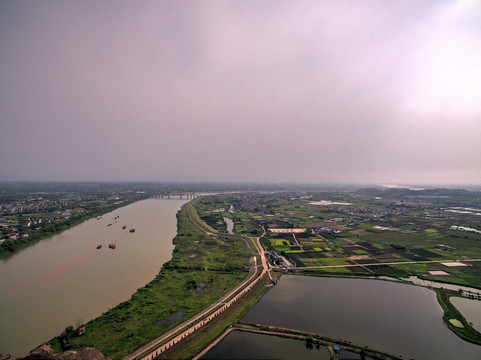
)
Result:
{"points": [[413, 269], [131, 324], [197, 219], [389, 237], [360, 252], [334, 261], [452, 317], [339, 270], [190, 346], [456, 323]]}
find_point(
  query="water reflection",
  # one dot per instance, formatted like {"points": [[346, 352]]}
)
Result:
{"points": [[245, 345], [391, 317], [65, 280], [471, 310]]}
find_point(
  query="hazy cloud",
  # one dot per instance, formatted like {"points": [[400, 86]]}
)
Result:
{"points": [[311, 91]]}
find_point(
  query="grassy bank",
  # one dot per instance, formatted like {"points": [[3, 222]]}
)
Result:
{"points": [[467, 332], [201, 270], [192, 345]]}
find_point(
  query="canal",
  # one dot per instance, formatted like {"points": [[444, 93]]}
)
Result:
{"points": [[65, 280]]}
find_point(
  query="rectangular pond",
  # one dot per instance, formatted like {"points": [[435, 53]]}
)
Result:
{"points": [[244, 345]]}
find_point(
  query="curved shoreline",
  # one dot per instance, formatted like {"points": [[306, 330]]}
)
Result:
{"points": [[189, 327], [116, 332]]}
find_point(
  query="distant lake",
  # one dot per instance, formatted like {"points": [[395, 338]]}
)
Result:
{"points": [[395, 318], [65, 280]]}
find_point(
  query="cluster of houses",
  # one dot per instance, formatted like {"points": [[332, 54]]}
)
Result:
{"points": [[278, 259], [283, 227], [13, 235], [465, 228], [471, 295], [31, 206], [369, 212], [31, 222], [327, 230], [13, 231]]}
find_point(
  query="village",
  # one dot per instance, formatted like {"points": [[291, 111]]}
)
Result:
{"points": [[30, 212], [368, 232]]}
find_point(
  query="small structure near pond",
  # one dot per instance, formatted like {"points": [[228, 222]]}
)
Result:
{"points": [[471, 295]]}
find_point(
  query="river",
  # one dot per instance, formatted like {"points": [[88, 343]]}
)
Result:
{"points": [[395, 318], [65, 280]]}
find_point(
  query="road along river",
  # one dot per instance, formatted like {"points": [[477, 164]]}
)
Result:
{"points": [[65, 280], [190, 326]]}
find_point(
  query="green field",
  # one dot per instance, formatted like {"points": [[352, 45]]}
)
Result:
{"points": [[394, 226]]}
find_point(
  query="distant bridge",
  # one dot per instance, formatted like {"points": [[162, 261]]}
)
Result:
{"points": [[175, 196]]}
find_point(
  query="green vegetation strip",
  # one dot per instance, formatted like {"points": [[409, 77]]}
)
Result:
{"points": [[173, 296], [192, 345], [195, 217], [467, 332]]}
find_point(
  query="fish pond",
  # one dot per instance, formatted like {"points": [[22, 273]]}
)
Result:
{"points": [[395, 318], [245, 345]]}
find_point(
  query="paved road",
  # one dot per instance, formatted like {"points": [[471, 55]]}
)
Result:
{"points": [[188, 327], [164, 342], [260, 250]]}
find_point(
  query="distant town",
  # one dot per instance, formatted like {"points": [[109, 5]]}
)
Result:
{"points": [[30, 212]]}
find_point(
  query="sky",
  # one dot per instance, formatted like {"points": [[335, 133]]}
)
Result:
{"points": [[345, 91]]}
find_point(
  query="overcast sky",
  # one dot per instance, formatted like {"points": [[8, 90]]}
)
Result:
{"points": [[286, 91]]}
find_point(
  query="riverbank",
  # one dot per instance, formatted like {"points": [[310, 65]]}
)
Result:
{"points": [[451, 314], [66, 280], [173, 296], [191, 346], [9, 247]]}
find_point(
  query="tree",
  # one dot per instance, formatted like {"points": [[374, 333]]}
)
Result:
{"points": [[69, 329], [9, 245]]}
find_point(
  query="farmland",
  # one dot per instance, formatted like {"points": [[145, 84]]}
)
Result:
{"points": [[369, 232]]}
